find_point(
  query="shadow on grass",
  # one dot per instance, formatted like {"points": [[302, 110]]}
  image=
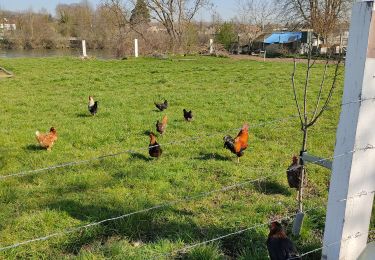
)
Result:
{"points": [[83, 115], [271, 187], [212, 156], [147, 132], [139, 156], [153, 226], [83, 212], [147, 227], [33, 147]]}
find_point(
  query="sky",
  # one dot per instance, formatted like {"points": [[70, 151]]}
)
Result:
{"points": [[226, 8]]}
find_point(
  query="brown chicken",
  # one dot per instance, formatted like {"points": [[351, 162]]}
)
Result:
{"points": [[48, 139], [279, 246], [160, 126], [154, 148], [294, 173], [239, 144]]}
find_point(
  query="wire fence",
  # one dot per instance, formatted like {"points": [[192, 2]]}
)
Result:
{"points": [[136, 150], [356, 235], [159, 206], [184, 199], [164, 205], [189, 247]]}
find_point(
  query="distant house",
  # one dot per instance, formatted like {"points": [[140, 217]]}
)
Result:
{"points": [[156, 28], [7, 25]]}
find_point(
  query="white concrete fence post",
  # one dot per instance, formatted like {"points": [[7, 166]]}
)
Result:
{"points": [[136, 48], [84, 54], [211, 46], [348, 215]]}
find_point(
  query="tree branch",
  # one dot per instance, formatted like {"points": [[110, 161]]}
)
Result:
{"points": [[333, 86], [320, 90], [295, 91]]}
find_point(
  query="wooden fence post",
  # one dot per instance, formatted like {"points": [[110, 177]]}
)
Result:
{"points": [[348, 215]]}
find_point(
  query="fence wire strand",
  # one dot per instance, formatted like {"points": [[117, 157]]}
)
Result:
{"points": [[358, 234], [187, 248]]}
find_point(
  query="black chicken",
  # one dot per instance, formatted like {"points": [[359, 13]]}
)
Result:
{"points": [[294, 173], [154, 148], [279, 246], [162, 106], [188, 115], [93, 106]]}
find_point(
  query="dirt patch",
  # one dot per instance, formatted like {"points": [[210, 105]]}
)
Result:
{"points": [[260, 58]]}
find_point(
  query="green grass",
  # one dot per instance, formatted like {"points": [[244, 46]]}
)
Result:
{"points": [[222, 93]]}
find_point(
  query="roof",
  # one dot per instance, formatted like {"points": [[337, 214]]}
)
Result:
{"points": [[283, 37]]}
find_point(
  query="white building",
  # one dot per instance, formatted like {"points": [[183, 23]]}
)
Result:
{"points": [[6, 25]]}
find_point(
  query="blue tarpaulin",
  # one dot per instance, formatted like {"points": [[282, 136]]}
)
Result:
{"points": [[283, 37]]}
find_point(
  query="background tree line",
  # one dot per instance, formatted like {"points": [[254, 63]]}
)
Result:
{"points": [[166, 25]]}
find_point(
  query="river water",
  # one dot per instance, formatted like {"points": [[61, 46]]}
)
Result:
{"points": [[100, 54]]}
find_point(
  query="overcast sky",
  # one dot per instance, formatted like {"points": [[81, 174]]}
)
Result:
{"points": [[226, 8]]}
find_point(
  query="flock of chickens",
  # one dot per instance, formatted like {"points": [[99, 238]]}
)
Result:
{"points": [[279, 246]]}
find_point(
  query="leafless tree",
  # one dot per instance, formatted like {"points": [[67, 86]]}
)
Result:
{"points": [[175, 15], [320, 15], [320, 105], [34, 30], [257, 12]]}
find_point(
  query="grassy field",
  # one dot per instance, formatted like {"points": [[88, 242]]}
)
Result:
{"points": [[222, 93]]}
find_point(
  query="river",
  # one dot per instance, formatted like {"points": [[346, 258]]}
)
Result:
{"points": [[100, 54]]}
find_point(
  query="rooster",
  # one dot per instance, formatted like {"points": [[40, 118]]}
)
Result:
{"points": [[93, 106], [279, 246], [294, 173], [188, 115], [154, 148], [47, 140], [239, 144], [162, 106], [160, 126]]}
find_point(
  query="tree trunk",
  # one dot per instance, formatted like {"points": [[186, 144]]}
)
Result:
{"points": [[303, 149]]}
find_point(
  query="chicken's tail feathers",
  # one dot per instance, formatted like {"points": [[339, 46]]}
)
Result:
{"points": [[228, 142]]}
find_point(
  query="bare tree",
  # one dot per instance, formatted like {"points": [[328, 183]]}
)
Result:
{"points": [[257, 12], [175, 15], [34, 30], [118, 16], [309, 118], [320, 15]]}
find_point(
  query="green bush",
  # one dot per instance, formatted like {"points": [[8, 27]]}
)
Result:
{"points": [[226, 35]]}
